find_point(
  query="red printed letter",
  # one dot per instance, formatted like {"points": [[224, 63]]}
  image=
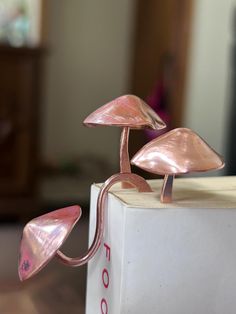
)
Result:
{"points": [[105, 278], [108, 251], [104, 307]]}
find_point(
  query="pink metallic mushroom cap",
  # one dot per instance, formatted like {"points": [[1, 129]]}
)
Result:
{"points": [[42, 237], [127, 110], [176, 152]]}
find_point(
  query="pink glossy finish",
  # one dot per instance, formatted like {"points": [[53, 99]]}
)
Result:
{"points": [[176, 152], [131, 178], [124, 152], [124, 155], [42, 237], [127, 110], [166, 191]]}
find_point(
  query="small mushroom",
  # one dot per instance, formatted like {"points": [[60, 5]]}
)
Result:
{"points": [[129, 112], [42, 237], [176, 152]]}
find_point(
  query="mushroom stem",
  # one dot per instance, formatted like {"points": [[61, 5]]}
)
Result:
{"points": [[124, 155], [124, 152], [136, 181], [166, 192]]}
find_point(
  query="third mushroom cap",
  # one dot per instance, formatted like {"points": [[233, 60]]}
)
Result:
{"points": [[126, 111], [178, 151]]}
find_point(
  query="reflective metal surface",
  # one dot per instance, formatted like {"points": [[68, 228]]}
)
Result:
{"points": [[42, 237], [124, 151], [131, 178], [166, 191], [127, 110], [176, 152]]}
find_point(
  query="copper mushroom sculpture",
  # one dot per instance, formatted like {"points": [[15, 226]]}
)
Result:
{"points": [[176, 152], [129, 112], [43, 236]]}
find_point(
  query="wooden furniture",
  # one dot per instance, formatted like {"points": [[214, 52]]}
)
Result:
{"points": [[162, 34], [19, 103], [162, 31]]}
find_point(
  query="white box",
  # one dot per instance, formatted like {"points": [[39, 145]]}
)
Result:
{"points": [[177, 258]]}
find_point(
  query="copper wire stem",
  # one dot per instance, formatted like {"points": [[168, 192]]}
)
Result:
{"points": [[124, 152], [166, 192], [124, 155], [136, 181]]}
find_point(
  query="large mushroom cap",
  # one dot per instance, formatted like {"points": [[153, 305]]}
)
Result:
{"points": [[128, 110], [176, 152], [43, 236]]}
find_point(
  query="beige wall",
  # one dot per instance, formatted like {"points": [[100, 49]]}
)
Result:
{"points": [[35, 10], [89, 61], [207, 99], [88, 65]]}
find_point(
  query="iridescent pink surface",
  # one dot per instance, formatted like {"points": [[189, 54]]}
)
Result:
{"points": [[42, 237], [127, 110], [135, 181], [176, 152]]}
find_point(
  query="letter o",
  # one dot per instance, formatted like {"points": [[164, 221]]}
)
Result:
{"points": [[105, 278], [104, 307]]}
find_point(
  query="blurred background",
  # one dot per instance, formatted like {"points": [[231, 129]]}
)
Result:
{"points": [[61, 60]]}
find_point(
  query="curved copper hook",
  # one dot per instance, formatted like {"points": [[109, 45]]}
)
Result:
{"points": [[132, 178]]}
